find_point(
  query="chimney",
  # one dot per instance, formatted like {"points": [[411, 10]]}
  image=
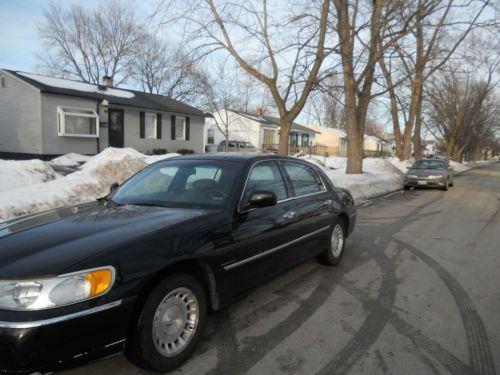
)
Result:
{"points": [[107, 81], [260, 111]]}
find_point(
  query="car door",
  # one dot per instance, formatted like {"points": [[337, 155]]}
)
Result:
{"points": [[265, 236], [315, 206]]}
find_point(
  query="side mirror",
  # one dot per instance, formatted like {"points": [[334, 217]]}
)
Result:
{"points": [[261, 198], [408, 168], [113, 187]]}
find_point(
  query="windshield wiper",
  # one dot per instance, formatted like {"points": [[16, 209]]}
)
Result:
{"points": [[108, 201]]}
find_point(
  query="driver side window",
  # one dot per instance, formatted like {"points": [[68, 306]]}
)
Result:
{"points": [[266, 176]]}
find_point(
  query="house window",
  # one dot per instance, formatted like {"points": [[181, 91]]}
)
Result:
{"points": [[150, 125], [77, 122], [180, 127], [210, 136]]}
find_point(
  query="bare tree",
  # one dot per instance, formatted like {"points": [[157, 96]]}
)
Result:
{"points": [[162, 68], [440, 28], [464, 113], [90, 43], [225, 91], [281, 48], [363, 37]]}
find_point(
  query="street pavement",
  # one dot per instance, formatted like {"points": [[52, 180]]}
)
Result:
{"points": [[418, 292]]}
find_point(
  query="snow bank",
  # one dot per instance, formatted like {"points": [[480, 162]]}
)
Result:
{"points": [[69, 160], [379, 176], [90, 182], [18, 173]]}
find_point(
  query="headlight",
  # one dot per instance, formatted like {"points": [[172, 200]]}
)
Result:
{"points": [[45, 293]]}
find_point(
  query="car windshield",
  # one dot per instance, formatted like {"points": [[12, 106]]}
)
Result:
{"points": [[180, 183], [428, 164]]}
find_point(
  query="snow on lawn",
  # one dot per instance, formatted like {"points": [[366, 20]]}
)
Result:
{"points": [[379, 176], [15, 174], [69, 160], [90, 182]]}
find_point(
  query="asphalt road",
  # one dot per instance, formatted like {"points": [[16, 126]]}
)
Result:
{"points": [[418, 292]]}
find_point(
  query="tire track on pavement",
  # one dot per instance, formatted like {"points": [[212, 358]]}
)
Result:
{"points": [[477, 337]]}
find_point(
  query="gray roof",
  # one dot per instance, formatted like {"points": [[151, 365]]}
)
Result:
{"points": [[138, 99], [273, 121]]}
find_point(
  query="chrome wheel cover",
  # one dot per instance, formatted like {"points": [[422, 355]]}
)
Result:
{"points": [[337, 240], [175, 322]]}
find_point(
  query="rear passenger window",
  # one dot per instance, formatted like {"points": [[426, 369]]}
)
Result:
{"points": [[266, 176], [304, 179]]}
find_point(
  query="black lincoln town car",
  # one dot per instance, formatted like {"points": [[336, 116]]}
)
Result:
{"points": [[138, 270]]}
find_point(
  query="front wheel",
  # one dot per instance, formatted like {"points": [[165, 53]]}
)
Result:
{"points": [[445, 187], [333, 255], [170, 324]]}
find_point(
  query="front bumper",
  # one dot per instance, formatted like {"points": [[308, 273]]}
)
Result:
{"points": [[424, 182], [55, 343]]}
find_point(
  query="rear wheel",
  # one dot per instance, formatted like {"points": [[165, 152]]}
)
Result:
{"points": [[333, 255], [170, 324]]}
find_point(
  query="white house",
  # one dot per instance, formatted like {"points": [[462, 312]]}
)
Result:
{"points": [[259, 129]]}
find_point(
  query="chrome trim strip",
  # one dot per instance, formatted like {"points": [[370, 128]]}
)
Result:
{"points": [[58, 319], [274, 249]]}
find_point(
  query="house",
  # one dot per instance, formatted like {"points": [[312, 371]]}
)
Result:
{"points": [[334, 142], [44, 116], [259, 129]]}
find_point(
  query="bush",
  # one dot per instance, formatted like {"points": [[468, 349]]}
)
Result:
{"points": [[185, 151], [159, 151]]}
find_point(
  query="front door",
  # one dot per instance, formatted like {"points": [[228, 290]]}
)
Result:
{"points": [[265, 236], [116, 128]]}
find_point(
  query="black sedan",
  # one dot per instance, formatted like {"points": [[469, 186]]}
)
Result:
{"points": [[139, 269]]}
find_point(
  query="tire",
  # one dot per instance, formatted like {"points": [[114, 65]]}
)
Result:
{"points": [[445, 187], [406, 187], [333, 255], [151, 346]]}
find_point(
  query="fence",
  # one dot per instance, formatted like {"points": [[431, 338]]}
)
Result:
{"points": [[321, 150]]}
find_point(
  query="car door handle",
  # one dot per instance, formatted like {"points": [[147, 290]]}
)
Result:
{"points": [[289, 215], [328, 202]]}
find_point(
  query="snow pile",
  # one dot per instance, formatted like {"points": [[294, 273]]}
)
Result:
{"points": [[18, 173], [379, 176], [402, 165], [457, 167], [90, 182], [69, 160]]}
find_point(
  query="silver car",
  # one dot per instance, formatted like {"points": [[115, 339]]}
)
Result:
{"points": [[431, 173]]}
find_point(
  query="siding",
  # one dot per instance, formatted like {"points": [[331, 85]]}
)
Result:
{"points": [[53, 143], [132, 136], [20, 117]]}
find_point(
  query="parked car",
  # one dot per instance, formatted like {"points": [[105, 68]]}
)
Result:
{"points": [[237, 146], [429, 173], [139, 269]]}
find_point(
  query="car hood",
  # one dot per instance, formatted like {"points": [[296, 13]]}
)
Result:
{"points": [[54, 240], [425, 172]]}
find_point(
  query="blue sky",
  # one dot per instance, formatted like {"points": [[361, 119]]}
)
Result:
{"points": [[19, 42]]}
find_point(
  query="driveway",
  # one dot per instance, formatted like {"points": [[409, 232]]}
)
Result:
{"points": [[418, 292]]}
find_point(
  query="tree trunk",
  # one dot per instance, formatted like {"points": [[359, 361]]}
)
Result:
{"points": [[285, 126], [417, 142]]}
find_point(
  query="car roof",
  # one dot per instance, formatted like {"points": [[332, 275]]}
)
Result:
{"points": [[235, 156]]}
